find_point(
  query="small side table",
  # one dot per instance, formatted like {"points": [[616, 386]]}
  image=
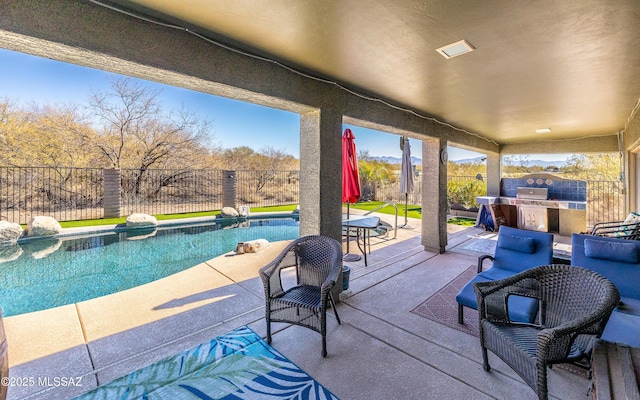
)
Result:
{"points": [[362, 227]]}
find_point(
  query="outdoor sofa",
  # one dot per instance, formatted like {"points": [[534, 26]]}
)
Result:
{"points": [[619, 261]]}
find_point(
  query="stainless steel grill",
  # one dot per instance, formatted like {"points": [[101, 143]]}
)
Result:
{"points": [[530, 216], [532, 193]]}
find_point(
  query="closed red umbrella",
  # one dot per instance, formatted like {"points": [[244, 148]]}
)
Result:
{"points": [[350, 177]]}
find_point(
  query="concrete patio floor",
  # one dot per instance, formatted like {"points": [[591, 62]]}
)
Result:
{"points": [[380, 351]]}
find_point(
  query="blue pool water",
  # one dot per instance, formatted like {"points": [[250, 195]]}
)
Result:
{"points": [[47, 273]]}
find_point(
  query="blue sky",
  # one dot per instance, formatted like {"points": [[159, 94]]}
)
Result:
{"points": [[29, 79]]}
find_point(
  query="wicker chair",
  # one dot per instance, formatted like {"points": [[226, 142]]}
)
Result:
{"points": [[575, 305], [317, 261]]}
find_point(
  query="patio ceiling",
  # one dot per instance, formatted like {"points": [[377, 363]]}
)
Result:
{"points": [[572, 67]]}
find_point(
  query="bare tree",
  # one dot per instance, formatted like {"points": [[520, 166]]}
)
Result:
{"points": [[134, 132]]}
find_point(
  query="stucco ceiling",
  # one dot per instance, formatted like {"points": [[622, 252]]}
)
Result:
{"points": [[570, 66]]}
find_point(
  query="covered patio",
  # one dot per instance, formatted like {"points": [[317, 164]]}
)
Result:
{"points": [[342, 63], [381, 350], [572, 68]]}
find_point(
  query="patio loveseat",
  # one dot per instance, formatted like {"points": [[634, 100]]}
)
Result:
{"points": [[619, 261]]}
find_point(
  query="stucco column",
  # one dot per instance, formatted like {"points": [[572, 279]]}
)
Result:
{"points": [[434, 194], [229, 189], [321, 174], [111, 201], [493, 174]]}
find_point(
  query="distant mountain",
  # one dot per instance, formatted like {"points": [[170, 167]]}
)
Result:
{"points": [[396, 160], [418, 161], [528, 163]]}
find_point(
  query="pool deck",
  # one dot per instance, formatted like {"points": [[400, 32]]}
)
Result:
{"points": [[380, 351]]}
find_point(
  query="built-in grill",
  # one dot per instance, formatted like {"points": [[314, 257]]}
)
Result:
{"points": [[541, 202], [532, 193], [532, 212]]}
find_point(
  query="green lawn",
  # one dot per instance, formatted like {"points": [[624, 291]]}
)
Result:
{"points": [[413, 210], [164, 217]]}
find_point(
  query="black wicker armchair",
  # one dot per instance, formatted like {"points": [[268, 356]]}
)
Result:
{"points": [[575, 305], [316, 262]]}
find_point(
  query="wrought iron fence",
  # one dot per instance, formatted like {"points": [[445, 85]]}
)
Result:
{"points": [[391, 192], [267, 188], [170, 191], [63, 193], [605, 202], [78, 193]]}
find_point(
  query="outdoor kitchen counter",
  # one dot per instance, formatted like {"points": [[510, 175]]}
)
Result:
{"points": [[571, 218]]}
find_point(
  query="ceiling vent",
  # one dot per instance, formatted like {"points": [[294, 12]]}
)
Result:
{"points": [[455, 49]]}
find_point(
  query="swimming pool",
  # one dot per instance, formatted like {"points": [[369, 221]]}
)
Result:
{"points": [[47, 273]]}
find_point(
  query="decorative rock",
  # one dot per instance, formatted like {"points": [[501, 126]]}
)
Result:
{"points": [[256, 246], [297, 210], [139, 220], [43, 226], [244, 211], [229, 212], [10, 231]]}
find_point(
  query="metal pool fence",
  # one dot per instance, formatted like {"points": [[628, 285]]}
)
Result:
{"points": [[78, 193]]}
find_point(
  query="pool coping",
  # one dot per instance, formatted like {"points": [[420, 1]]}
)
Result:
{"points": [[117, 228], [103, 338]]}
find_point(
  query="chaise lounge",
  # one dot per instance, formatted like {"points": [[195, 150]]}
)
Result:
{"points": [[619, 261], [517, 250]]}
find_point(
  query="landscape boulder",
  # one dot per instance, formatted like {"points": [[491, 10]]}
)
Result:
{"points": [[229, 212], [255, 246], [244, 211], [43, 226], [139, 220], [10, 231]]}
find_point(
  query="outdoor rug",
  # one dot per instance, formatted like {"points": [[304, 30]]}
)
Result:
{"points": [[237, 365], [442, 307]]}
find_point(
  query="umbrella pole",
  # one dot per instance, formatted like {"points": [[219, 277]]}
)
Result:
{"points": [[406, 205], [406, 212], [348, 239]]}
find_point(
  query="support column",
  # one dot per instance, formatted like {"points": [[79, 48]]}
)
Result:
{"points": [[493, 174], [321, 174], [434, 194], [229, 189], [111, 182]]}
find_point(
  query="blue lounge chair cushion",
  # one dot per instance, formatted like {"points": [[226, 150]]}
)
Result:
{"points": [[623, 252], [622, 328], [521, 309], [629, 305], [517, 243], [623, 274]]}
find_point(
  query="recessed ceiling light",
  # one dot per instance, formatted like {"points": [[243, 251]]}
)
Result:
{"points": [[455, 49], [543, 130]]}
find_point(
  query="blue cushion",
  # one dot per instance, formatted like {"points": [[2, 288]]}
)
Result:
{"points": [[622, 328], [623, 252], [521, 309], [629, 305], [517, 243]]}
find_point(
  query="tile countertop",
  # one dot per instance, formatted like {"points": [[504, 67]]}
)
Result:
{"points": [[560, 204]]}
